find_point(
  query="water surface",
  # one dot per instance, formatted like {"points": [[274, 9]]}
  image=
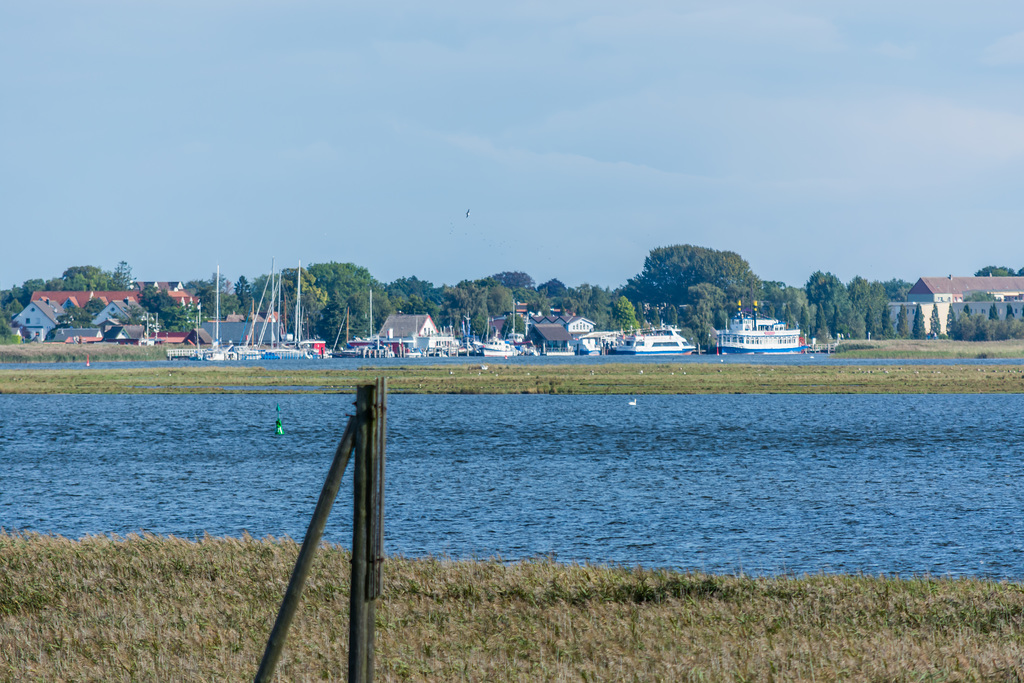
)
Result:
{"points": [[760, 484]]}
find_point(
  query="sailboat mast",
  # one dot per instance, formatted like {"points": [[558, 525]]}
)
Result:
{"points": [[216, 324], [298, 306]]}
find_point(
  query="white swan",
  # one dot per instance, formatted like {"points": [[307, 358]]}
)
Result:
{"points": [[633, 402]]}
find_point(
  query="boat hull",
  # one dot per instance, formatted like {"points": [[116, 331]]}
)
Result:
{"points": [[681, 352], [759, 352]]}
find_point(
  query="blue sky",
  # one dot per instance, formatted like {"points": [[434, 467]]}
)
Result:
{"points": [[865, 138]]}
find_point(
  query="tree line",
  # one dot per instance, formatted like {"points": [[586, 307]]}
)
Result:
{"points": [[694, 288]]}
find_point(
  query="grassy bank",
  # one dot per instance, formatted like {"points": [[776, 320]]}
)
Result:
{"points": [[76, 353], [667, 378], [930, 348], [152, 609]]}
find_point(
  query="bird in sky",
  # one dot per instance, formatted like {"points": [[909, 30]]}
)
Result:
{"points": [[467, 213]]}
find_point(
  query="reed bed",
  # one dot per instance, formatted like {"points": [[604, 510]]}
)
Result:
{"points": [[77, 353], [472, 378], [930, 348], [146, 608]]}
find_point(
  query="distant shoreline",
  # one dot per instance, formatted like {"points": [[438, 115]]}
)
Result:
{"points": [[886, 349], [422, 377]]}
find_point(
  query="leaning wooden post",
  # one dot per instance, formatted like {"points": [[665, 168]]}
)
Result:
{"points": [[275, 644]]}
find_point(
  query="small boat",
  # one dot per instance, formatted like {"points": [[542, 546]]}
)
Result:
{"points": [[664, 342], [495, 349], [747, 333]]}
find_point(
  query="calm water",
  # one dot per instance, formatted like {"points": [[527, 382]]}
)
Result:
{"points": [[760, 484]]}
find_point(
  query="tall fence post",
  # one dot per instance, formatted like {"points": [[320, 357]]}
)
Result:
{"points": [[367, 529]]}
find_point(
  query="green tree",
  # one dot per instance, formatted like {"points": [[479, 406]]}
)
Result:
{"points": [[903, 323], [708, 300], [887, 330], [993, 313], [995, 271], [122, 278], [669, 273], [896, 289], [624, 315], [918, 330], [243, 290], [951, 330], [935, 323], [514, 280]]}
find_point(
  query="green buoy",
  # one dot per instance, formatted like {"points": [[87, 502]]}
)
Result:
{"points": [[278, 429]]}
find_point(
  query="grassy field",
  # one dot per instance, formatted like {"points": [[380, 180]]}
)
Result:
{"points": [[931, 348], [613, 378], [162, 609]]}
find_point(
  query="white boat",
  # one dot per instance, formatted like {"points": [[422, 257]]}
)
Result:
{"points": [[663, 342], [498, 348], [747, 333]]}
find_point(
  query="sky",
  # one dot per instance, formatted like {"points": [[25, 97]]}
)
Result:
{"points": [[865, 138]]}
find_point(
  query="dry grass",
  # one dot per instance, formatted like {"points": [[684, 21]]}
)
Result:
{"points": [[76, 353], [160, 609], [611, 378]]}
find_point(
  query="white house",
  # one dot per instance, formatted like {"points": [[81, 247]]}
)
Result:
{"points": [[37, 319], [116, 311]]}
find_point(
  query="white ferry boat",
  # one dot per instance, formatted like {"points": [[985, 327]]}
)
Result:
{"points": [[748, 333], [661, 342]]}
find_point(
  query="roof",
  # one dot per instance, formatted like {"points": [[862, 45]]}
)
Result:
{"points": [[51, 310], [404, 324], [173, 337], [958, 285], [65, 333], [123, 332], [81, 298], [159, 284], [551, 332]]}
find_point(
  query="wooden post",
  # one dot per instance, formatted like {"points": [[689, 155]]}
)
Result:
{"points": [[275, 644], [367, 530]]}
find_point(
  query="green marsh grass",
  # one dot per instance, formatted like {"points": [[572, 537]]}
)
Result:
{"points": [[147, 608], [612, 378]]}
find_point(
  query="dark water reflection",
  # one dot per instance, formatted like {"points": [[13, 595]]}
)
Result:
{"points": [[762, 484]]}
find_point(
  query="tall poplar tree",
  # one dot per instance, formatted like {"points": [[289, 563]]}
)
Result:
{"points": [[918, 330], [903, 323]]}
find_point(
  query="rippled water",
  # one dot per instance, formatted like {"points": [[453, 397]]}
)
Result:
{"points": [[760, 484]]}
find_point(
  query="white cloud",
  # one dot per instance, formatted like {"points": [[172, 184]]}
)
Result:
{"points": [[1007, 50]]}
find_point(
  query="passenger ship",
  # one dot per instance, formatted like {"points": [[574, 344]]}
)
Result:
{"points": [[749, 334], [656, 342]]}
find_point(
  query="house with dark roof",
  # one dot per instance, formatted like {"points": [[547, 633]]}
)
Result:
{"points": [[124, 334], [77, 335], [242, 331], [552, 339], [576, 325]]}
